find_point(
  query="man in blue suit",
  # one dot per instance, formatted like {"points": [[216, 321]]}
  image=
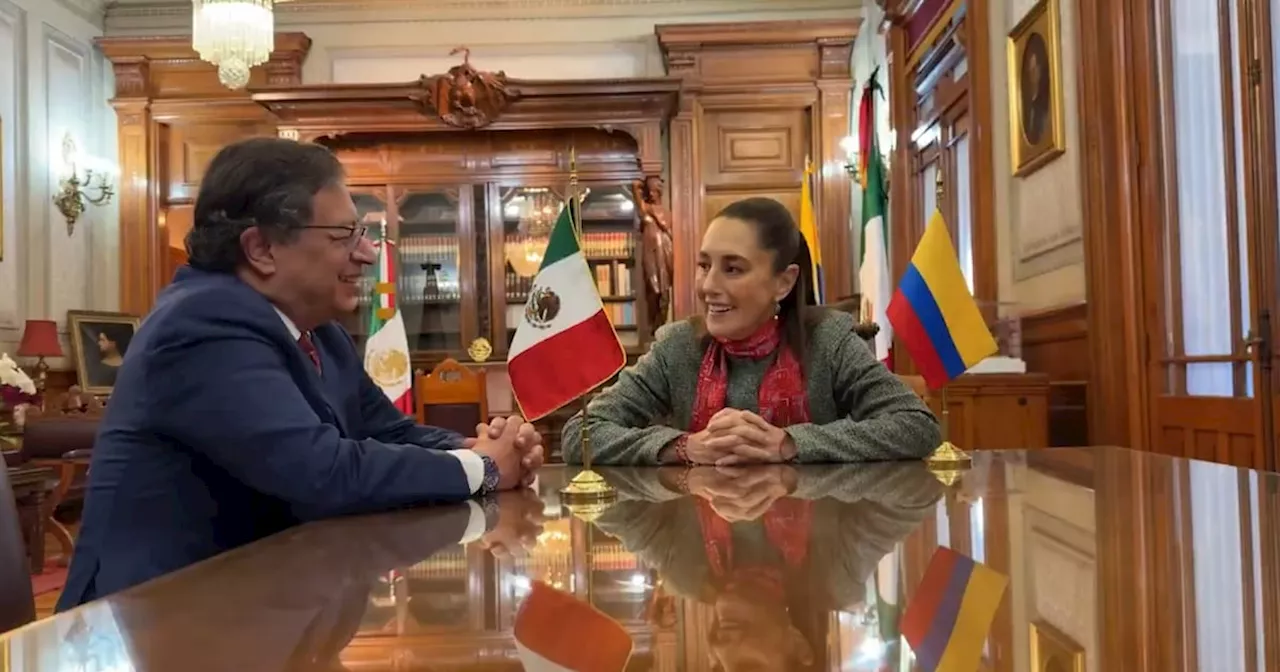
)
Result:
{"points": [[242, 409]]}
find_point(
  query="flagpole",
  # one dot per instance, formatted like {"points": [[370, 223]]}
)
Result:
{"points": [[587, 495], [947, 462]]}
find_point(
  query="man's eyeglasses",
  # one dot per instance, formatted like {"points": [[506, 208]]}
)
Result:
{"points": [[354, 233]]}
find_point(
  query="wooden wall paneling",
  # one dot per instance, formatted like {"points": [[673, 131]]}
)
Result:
{"points": [[160, 80], [757, 98], [1055, 342], [1119, 133], [939, 93], [982, 192]]}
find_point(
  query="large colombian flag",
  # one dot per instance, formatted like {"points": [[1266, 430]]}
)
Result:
{"points": [[565, 345], [934, 314], [557, 632], [950, 615], [809, 231]]}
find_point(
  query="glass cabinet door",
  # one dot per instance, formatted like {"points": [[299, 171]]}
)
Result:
{"points": [[430, 284], [608, 243], [528, 214]]}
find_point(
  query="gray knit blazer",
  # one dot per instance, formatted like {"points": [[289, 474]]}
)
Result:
{"points": [[860, 410]]}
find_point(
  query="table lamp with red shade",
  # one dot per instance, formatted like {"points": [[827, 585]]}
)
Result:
{"points": [[40, 340]]}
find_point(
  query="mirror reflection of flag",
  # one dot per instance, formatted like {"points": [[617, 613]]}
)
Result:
{"points": [[557, 632], [950, 614]]}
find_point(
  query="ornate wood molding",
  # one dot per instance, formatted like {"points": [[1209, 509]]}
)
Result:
{"points": [[636, 107], [758, 68], [466, 97], [123, 13], [158, 79], [133, 58]]}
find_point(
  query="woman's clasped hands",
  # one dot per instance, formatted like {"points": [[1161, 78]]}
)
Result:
{"points": [[735, 436]]}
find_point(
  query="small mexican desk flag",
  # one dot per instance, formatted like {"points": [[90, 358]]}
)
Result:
{"points": [[565, 345], [557, 632], [386, 353]]}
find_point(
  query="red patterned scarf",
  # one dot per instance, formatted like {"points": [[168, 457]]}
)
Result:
{"points": [[783, 400]]}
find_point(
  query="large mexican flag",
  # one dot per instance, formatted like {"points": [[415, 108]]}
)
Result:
{"points": [[565, 345], [874, 280], [386, 353]]}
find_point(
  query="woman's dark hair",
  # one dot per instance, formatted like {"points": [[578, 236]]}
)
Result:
{"points": [[777, 232], [119, 334], [262, 182]]}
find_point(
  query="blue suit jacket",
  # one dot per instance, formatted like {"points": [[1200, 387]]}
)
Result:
{"points": [[220, 431]]}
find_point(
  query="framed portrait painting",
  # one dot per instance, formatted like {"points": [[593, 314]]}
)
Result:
{"points": [[98, 345], [1036, 132], [1054, 651]]}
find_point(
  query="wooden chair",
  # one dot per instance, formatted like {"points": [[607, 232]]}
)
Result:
{"points": [[452, 397], [61, 437], [17, 603]]}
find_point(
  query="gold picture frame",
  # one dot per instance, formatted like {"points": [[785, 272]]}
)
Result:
{"points": [[107, 336], [1054, 651], [1036, 127]]}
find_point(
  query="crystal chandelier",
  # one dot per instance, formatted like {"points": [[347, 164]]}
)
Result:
{"points": [[234, 35], [536, 209]]}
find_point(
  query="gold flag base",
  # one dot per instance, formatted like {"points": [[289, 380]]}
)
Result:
{"points": [[588, 487], [948, 463], [588, 495]]}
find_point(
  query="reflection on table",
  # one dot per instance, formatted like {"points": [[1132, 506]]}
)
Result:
{"points": [[1116, 560]]}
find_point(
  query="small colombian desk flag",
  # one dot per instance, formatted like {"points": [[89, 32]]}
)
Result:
{"points": [[934, 314], [950, 615]]}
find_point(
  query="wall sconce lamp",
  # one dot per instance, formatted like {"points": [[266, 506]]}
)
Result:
{"points": [[852, 166], [75, 193]]}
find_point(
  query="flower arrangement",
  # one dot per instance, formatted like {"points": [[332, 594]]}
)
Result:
{"points": [[16, 391], [16, 386]]}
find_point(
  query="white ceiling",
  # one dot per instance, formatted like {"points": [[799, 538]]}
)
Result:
{"points": [[141, 17]]}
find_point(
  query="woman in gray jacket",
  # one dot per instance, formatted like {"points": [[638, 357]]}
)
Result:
{"points": [[761, 375]]}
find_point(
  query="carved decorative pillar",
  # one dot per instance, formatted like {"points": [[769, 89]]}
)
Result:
{"points": [[832, 192], [686, 184], [135, 195]]}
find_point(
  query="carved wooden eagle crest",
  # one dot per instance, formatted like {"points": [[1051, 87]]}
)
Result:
{"points": [[465, 97]]}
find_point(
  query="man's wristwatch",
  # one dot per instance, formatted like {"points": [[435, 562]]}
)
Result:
{"points": [[491, 476]]}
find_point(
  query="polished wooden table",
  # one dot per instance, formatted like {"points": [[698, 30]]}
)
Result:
{"points": [[1116, 560]]}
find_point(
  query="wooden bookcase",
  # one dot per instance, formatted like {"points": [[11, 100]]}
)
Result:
{"points": [[468, 242], [450, 160]]}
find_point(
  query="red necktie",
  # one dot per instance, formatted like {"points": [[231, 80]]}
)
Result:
{"points": [[304, 341]]}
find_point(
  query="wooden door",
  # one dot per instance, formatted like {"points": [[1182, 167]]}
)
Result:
{"points": [[1213, 260]]}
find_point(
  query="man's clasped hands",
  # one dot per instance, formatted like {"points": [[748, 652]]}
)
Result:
{"points": [[516, 449], [514, 446]]}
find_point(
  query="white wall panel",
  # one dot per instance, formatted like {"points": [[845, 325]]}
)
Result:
{"points": [[67, 107], [52, 81], [13, 58]]}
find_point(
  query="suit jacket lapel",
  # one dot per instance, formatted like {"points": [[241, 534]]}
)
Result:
{"points": [[324, 387], [332, 387]]}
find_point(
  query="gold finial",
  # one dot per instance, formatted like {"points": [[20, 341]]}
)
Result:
{"points": [[480, 350], [938, 185]]}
